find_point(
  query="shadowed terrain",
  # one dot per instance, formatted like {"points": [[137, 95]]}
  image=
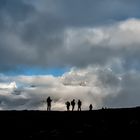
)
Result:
{"points": [[105, 123]]}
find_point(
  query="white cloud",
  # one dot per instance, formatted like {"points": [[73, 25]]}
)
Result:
{"points": [[11, 85], [100, 86], [118, 35], [84, 84]]}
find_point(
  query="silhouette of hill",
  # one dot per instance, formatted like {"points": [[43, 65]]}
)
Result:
{"points": [[106, 123]]}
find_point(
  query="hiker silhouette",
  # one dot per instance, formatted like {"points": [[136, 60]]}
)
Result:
{"points": [[90, 107], [79, 105], [73, 104], [49, 100], [68, 105]]}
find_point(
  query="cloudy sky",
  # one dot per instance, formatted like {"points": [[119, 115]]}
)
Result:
{"points": [[81, 49]]}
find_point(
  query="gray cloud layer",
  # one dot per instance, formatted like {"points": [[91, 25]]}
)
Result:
{"points": [[100, 39], [34, 33]]}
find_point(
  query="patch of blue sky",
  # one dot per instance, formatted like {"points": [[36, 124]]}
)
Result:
{"points": [[29, 71]]}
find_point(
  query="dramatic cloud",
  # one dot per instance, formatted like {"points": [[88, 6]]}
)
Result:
{"points": [[81, 47], [99, 86], [50, 33], [97, 40], [90, 85]]}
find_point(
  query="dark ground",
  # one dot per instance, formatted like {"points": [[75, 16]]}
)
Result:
{"points": [[106, 123]]}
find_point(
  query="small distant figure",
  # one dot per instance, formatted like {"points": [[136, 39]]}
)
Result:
{"points": [[79, 105], [49, 100], [90, 107], [73, 104], [104, 108], [68, 105]]}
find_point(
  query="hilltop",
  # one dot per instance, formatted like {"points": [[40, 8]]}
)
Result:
{"points": [[61, 124]]}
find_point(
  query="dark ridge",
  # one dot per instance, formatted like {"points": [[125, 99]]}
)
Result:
{"points": [[107, 123]]}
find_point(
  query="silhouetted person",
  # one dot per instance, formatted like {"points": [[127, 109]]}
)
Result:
{"points": [[73, 104], [49, 100], [79, 105], [68, 105], [90, 107]]}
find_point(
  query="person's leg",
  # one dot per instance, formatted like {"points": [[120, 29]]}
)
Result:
{"points": [[48, 108]]}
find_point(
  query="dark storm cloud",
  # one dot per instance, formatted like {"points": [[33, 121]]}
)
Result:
{"points": [[97, 12], [18, 10], [33, 34]]}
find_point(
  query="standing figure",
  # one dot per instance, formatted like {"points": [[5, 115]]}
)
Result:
{"points": [[90, 107], [73, 104], [49, 100], [68, 105], [79, 105]]}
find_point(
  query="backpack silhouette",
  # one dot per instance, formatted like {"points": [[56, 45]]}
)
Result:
{"points": [[68, 105]]}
